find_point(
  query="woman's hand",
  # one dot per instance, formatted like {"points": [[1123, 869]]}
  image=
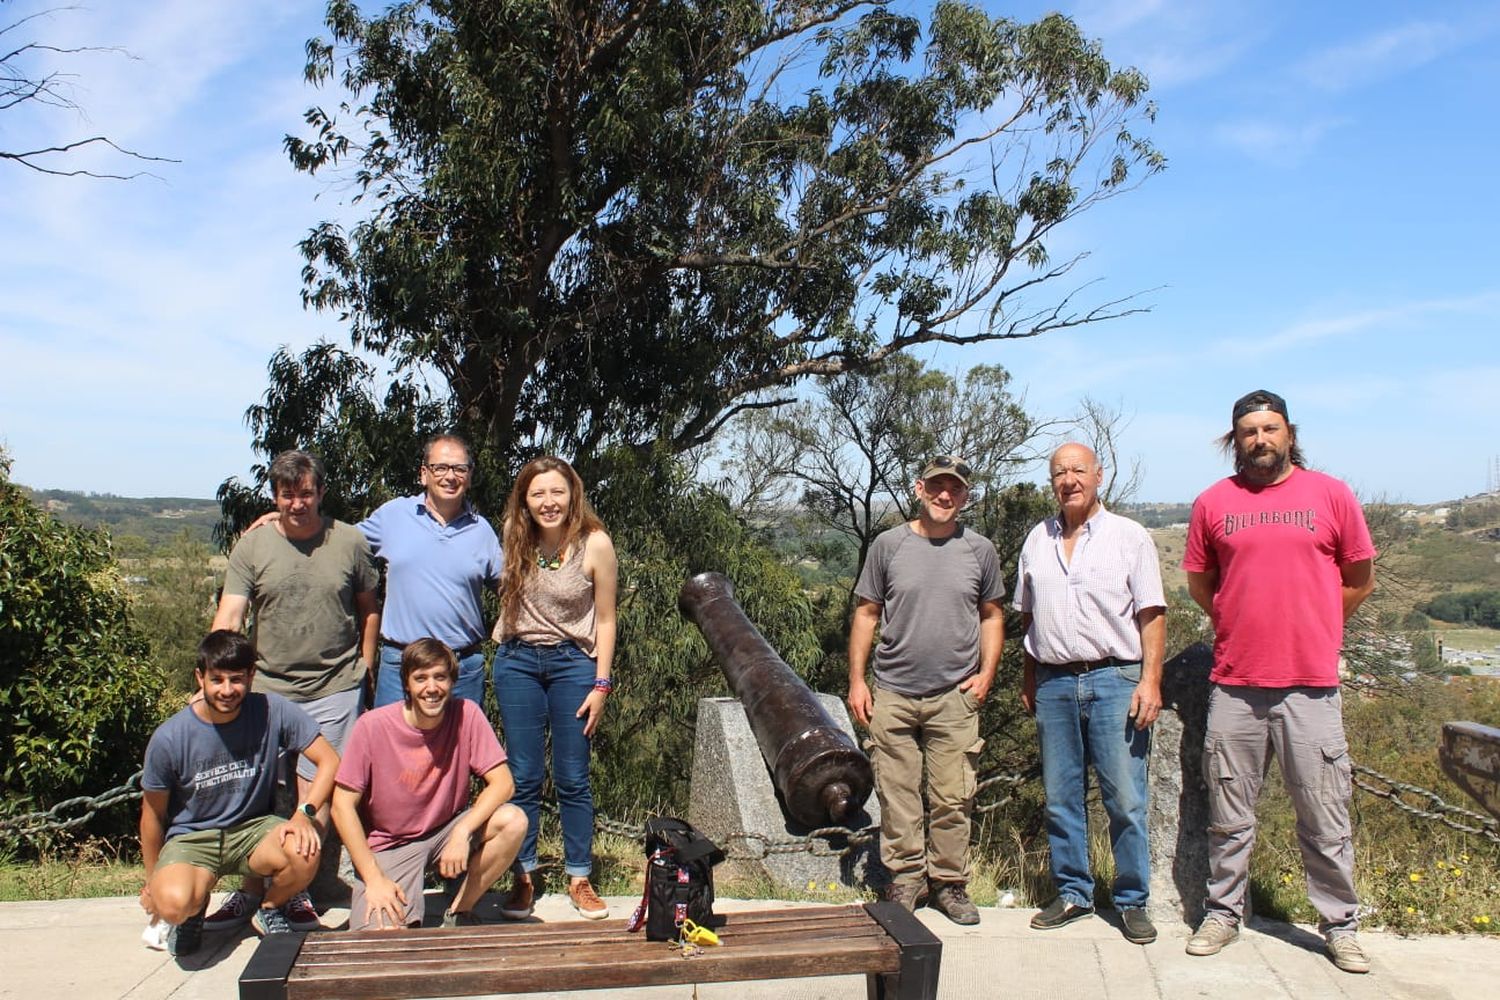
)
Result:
{"points": [[593, 707]]}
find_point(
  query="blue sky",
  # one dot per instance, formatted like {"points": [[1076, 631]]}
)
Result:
{"points": [[1324, 229]]}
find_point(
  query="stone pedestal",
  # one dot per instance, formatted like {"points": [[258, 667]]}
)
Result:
{"points": [[1178, 815], [731, 793]]}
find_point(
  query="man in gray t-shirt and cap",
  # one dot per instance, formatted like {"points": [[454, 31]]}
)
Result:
{"points": [[935, 590]]}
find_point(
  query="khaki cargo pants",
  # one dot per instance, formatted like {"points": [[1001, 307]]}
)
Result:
{"points": [[939, 733]]}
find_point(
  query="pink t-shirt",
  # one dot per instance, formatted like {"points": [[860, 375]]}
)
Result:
{"points": [[1278, 612], [412, 781]]}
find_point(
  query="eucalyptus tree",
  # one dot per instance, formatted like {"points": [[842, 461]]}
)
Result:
{"points": [[593, 224]]}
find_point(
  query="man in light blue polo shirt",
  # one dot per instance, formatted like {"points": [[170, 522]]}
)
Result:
{"points": [[440, 555]]}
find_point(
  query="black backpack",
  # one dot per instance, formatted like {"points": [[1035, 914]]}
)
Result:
{"points": [[679, 880]]}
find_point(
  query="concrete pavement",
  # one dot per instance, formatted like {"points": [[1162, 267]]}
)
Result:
{"points": [[90, 949]]}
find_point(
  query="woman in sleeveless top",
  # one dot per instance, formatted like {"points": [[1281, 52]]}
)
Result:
{"points": [[552, 670]]}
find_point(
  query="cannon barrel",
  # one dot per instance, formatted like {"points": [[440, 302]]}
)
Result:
{"points": [[822, 776]]}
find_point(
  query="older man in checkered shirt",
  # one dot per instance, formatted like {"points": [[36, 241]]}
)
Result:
{"points": [[1088, 587]]}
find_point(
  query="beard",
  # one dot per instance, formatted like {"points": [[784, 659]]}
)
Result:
{"points": [[1263, 464]]}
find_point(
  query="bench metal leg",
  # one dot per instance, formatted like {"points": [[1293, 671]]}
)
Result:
{"points": [[265, 976], [921, 956]]}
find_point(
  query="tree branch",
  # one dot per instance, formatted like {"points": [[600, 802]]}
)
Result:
{"points": [[25, 159]]}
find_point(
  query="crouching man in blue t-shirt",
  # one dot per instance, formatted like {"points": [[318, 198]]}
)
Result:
{"points": [[209, 779]]}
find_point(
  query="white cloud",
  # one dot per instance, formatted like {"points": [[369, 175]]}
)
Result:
{"points": [[1414, 317], [1172, 43], [1380, 54], [1276, 143]]}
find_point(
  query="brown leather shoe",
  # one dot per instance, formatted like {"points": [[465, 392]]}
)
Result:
{"points": [[586, 901], [951, 899], [909, 894], [521, 899]]}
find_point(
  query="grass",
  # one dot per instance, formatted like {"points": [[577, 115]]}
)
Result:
{"points": [[1469, 638], [1412, 874], [90, 869], [1436, 561]]}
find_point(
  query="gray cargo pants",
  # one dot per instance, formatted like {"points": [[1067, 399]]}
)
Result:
{"points": [[1304, 726]]}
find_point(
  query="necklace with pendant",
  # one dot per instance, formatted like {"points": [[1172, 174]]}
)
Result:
{"points": [[546, 562]]}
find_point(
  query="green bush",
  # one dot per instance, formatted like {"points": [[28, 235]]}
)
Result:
{"points": [[1477, 607], [667, 528], [1413, 874], [78, 694]]}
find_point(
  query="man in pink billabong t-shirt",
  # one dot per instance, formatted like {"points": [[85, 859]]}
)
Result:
{"points": [[1280, 557]]}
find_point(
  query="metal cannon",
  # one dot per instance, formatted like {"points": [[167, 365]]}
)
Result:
{"points": [[821, 774]]}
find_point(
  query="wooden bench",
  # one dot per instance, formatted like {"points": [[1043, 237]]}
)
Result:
{"points": [[897, 954]]}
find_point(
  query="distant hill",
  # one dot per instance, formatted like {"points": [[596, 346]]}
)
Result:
{"points": [[1156, 515], [154, 519]]}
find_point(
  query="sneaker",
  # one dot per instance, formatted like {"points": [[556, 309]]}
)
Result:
{"points": [[186, 937], [909, 894], [1211, 937], [1138, 926], [1059, 913], [156, 934], [269, 920], [461, 918], [951, 899], [586, 901], [235, 912], [522, 898], [301, 914], [1346, 953]]}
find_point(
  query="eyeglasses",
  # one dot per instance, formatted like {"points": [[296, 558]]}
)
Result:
{"points": [[443, 468], [949, 462]]}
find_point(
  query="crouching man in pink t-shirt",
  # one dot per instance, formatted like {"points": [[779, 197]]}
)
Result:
{"points": [[401, 803]]}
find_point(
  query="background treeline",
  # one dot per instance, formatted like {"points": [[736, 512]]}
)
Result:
{"points": [[1476, 607]]}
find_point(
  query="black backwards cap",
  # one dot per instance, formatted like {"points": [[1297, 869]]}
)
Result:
{"points": [[1260, 399]]}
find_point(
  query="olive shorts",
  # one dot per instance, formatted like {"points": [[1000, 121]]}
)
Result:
{"points": [[223, 852]]}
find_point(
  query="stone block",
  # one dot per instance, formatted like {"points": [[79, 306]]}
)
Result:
{"points": [[733, 800], [1178, 814]]}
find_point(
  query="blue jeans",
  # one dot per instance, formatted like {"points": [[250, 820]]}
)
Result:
{"points": [[1082, 719], [388, 680], [537, 688]]}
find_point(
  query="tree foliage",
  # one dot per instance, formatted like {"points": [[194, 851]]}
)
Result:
{"points": [[850, 456], [78, 693], [173, 605], [607, 223], [1475, 607], [326, 401], [668, 528]]}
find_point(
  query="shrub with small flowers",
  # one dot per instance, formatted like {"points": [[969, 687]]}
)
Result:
{"points": [[1412, 874]]}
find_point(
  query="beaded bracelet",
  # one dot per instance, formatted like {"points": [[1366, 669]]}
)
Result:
{"points": [[605, 684]]}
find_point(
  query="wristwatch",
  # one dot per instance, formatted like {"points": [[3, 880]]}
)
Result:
{"points": [[306, 809]]}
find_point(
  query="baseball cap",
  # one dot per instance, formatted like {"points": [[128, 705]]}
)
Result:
{"points": [[947, 465], [1260, 399]]}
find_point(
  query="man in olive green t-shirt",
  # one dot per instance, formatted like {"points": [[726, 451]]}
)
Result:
{"points": [[310, 582]]}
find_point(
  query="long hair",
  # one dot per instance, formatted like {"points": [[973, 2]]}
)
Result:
{"points": [[521, 533], [1230, 447]]}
